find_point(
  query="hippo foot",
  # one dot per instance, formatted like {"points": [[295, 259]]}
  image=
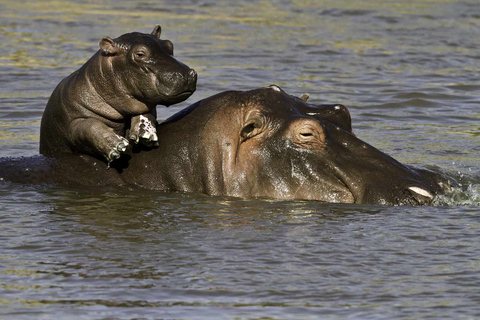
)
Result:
{"points": [[143, 130], [119, 148]]}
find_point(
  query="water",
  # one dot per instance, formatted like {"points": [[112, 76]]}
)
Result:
{"points": [[408, 71]]}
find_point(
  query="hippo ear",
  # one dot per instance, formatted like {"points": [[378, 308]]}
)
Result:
{"points": [[251, 129], [304, 97], [169, 45], [108, 46], [157, 31]]}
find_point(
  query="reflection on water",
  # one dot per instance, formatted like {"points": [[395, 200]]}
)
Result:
{"points": [[408, 72]]}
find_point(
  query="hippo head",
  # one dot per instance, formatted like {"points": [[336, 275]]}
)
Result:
{"points": [[268, 144], [143, 67]]}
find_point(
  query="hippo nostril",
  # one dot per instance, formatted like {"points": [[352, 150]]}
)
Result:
{"points": [[192, 80]]}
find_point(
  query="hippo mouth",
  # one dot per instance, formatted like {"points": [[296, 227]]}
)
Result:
{"points": [[417, 196], [410, 187], [402, 194]]}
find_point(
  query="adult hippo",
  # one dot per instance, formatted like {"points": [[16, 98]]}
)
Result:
{"points": [[117, 89], [261, 143]]}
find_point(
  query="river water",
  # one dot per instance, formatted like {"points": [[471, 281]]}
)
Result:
{"points": [[408, 71]]}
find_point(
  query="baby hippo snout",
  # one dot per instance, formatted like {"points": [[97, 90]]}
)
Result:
{"points": [[192, 80], [186, 80], [178, 86]]}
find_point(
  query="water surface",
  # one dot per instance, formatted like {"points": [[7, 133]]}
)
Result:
{"points": [[407, 70]]}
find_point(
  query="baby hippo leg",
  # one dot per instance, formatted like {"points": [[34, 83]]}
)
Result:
{"points": [[143, 129], [94, 137]]}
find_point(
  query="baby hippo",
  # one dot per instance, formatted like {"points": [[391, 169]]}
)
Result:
{"points": [[113, 95]]}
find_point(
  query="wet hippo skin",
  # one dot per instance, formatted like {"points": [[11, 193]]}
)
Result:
{"points": [[262, 143], [117, 89]]}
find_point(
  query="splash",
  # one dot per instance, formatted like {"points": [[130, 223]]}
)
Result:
{"points": [[465, 191], [460, 196]]}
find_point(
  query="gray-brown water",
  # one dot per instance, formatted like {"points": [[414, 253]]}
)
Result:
{"points": [[408, 71]]}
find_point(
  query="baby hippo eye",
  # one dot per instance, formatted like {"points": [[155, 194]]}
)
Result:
{"points": [[140, 54]]}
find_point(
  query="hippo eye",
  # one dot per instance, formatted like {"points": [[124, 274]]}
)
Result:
{"points": [[306, 134]]}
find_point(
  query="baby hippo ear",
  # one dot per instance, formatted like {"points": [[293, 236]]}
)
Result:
{"points": [[157, 31], [108, 46], [169, 46]]}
